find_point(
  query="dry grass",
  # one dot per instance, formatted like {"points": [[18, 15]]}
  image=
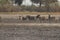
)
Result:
{"points": [[32, 13]]}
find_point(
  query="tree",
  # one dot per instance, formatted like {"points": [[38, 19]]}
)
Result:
{"points": [[37, 1], [3, 2], [47, 2], [19, 2], [43, 1]]}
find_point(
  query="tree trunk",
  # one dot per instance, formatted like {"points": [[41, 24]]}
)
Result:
{"points": [[40, 4], [47, 5]]}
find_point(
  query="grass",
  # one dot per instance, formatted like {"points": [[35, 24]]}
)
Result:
{"points": [[32, 13]]}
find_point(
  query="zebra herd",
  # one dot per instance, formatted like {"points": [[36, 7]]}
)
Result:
{"points": [[37, 18]]}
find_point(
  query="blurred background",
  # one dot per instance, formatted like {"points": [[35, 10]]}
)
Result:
{"points": [[29, 5]]}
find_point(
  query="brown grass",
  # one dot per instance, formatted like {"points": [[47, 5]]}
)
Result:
{"points": [[32, 13]]}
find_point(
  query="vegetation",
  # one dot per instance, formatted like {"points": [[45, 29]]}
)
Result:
{"points": [[19, 2], [5, 6], [3, 2], [43, 1]]}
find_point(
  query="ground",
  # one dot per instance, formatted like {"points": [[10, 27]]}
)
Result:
{"points": [[28, 31], [21, 32]]}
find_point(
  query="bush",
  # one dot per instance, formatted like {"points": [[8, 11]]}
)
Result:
{"points": [[10, 8]]}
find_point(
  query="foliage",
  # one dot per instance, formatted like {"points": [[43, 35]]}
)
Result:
{"points": [[43, 1], [19, 2], [3, 2], [5, 7]]}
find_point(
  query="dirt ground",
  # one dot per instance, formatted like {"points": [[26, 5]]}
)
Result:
{"points": [[14, 32]]}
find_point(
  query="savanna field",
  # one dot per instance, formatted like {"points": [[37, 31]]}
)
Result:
{"points": [[16, 31], [29, 19]]}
